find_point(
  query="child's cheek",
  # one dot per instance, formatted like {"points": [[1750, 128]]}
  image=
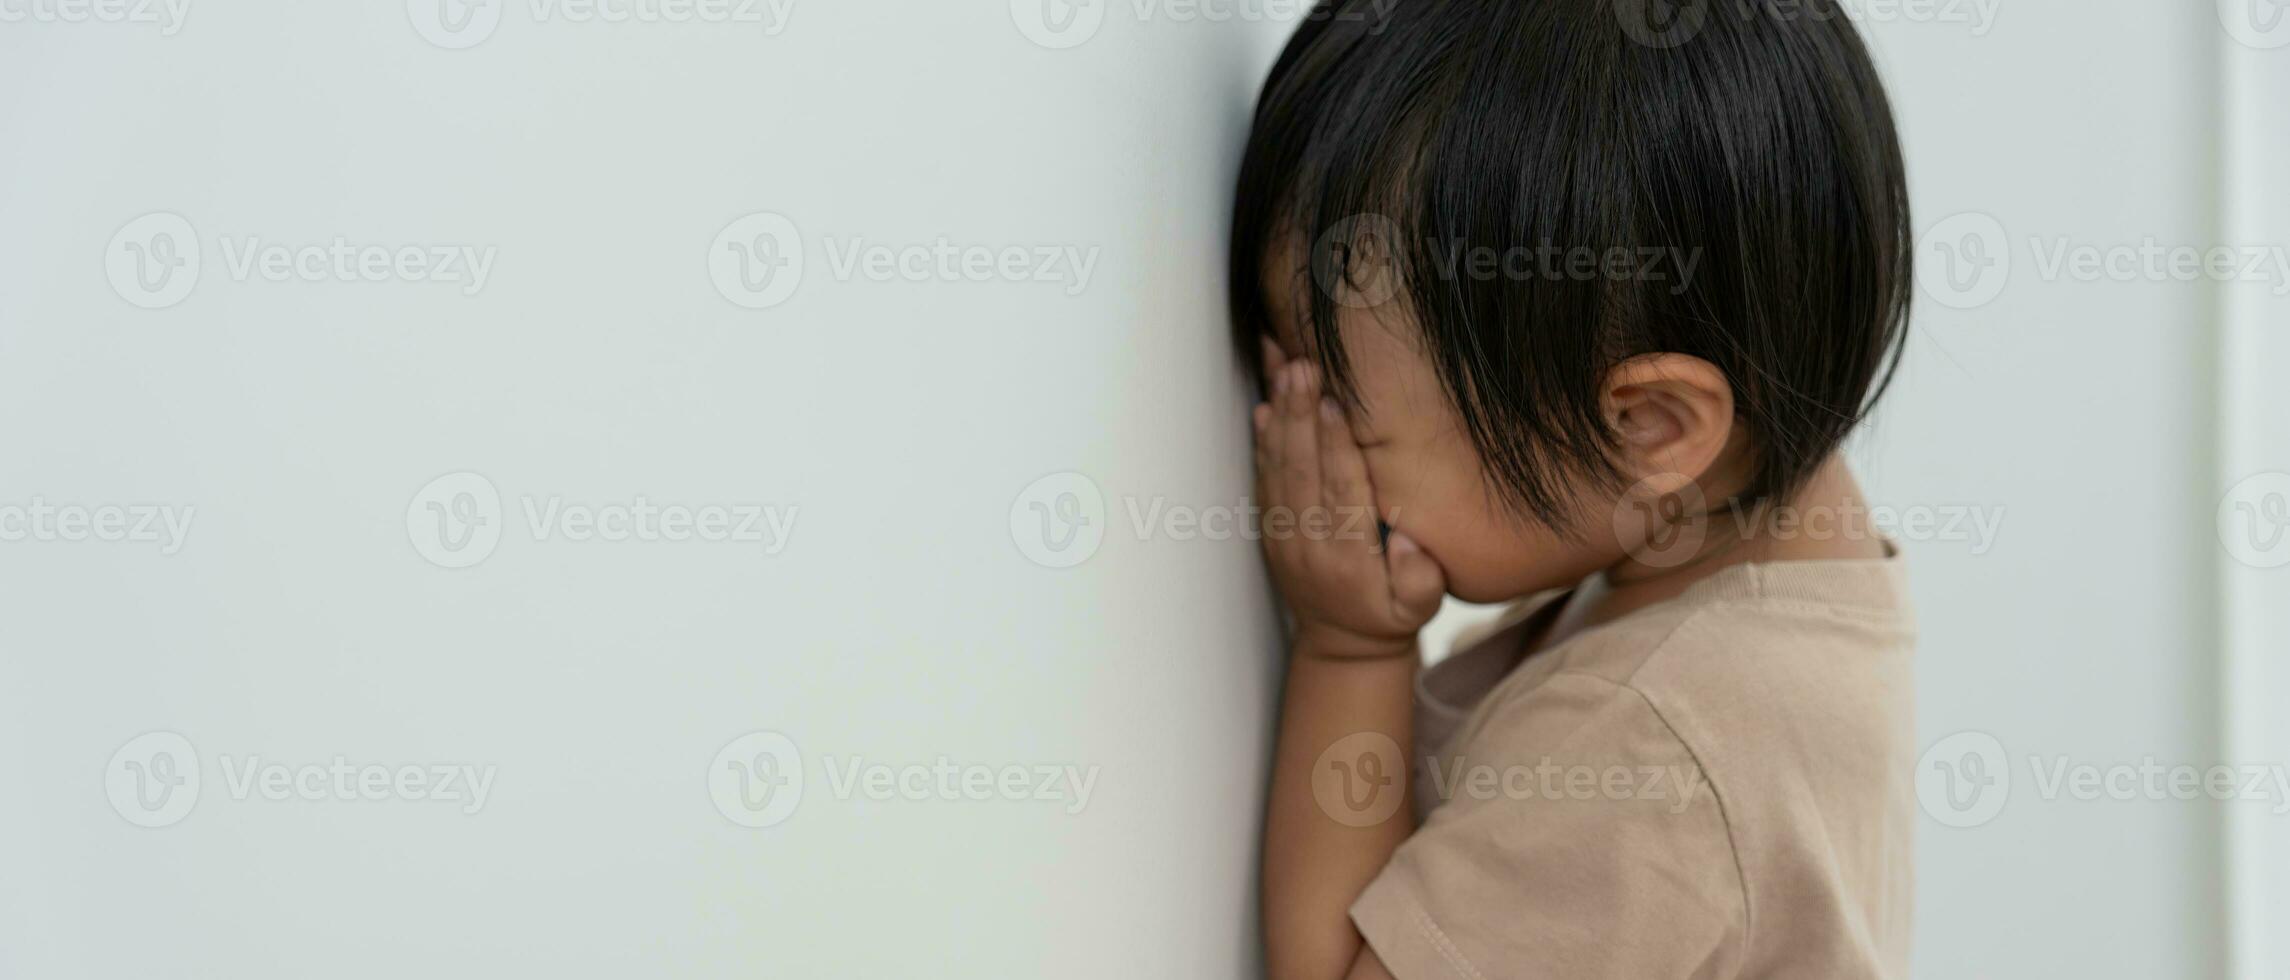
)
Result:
{"points": [[1391, 492]]}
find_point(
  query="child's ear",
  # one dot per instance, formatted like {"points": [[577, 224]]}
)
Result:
{"points": [[1671, 413]]}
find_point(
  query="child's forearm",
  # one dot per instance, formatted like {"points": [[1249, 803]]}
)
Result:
{"points": [[1318, 857], [1358, 600]]}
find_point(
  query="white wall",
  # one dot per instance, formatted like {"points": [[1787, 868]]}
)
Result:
{"points": [[2082, 413], [901, 621], [2254, 466]]}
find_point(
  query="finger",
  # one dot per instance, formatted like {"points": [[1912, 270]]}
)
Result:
{"points": [[1274, 360], [1417, 581], [1270, 444], [1344, 485], [1260, 419], [1300, 438]]}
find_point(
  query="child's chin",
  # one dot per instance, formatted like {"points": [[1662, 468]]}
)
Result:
{"points": [[1485, 593], [1517, 584]]}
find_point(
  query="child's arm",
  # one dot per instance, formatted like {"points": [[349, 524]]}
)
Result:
{"points": [[1357, 606], [1315, 866]]}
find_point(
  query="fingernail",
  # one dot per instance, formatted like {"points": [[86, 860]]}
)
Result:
{"points": [[1402, 544], [1329, 411]]}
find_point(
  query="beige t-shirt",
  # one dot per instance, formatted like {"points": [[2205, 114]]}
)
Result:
{"points": [[1720, 785]]}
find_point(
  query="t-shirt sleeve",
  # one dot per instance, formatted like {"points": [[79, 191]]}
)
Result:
{"points": [[1577, 839]]}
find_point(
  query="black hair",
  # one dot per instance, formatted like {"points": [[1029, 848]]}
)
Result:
{"points": [[1752, 137]]}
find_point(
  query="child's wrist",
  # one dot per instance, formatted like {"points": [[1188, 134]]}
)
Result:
{"points": [[1339, 644]]}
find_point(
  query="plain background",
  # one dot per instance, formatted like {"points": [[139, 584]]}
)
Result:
{"points": [[902, 622]]}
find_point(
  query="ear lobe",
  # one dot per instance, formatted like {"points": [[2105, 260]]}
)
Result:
{"points": [[1671, 413]]}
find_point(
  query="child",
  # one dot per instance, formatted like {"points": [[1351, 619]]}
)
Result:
{"points": [[1581, 308]]}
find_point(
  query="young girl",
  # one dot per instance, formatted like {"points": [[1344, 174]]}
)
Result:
{"points": [[1580, 306]]}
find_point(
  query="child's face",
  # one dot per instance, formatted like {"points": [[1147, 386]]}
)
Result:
{"points": [[1427, 474]]}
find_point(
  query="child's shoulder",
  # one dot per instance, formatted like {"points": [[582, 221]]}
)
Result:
{"points": [[1794, 639], [1787, 685], [1752, 738]]}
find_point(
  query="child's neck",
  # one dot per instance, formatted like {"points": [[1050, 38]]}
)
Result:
{"points": [[1734, 539]]}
